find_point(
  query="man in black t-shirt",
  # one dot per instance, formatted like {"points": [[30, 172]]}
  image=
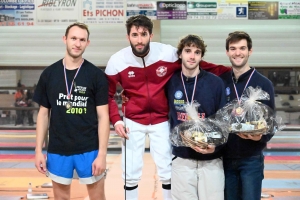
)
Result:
{"points": [[75, 92]]}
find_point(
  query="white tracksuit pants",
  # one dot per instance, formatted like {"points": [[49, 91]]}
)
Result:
{"points": [[160, 149]]}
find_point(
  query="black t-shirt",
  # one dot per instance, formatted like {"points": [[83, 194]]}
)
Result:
{"points": [[75, 130]]}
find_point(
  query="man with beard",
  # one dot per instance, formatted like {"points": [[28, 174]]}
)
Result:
{"points": [[243, 159], [75, 92], [143, 69]]}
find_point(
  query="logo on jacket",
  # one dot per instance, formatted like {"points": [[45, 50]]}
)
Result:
{"points": [[178, 94], [178, 101], [161, 71], [131, 74], [227, 90]]}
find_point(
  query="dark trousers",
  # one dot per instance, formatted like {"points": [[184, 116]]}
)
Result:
{"points": [[243, 178], [20, 116]]}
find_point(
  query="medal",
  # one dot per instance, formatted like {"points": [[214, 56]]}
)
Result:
{"points": [[68, 105], [239, 111], [236, 93], [69, 91]]}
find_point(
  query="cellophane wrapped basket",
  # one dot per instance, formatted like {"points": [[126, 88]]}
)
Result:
{"points": [[249, 116], [198, 132]]}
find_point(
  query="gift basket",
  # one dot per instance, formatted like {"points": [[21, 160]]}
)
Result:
{"points": [[248, 115], [197, 132]]}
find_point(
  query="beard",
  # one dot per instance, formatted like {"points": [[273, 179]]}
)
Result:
{"points": [[142, 52]]}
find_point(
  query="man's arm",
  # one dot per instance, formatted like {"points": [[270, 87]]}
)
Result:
{"points": [[41, 132], [99, 164], [113, 107], [213, 68], [114, 115], [113, 78]]}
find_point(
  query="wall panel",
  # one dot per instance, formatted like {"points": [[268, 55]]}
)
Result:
{"points": [[275, 42], [43, 45]]}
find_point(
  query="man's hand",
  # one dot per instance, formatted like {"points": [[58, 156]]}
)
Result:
{"points": [[40, 162], [250, 137], [99, 165], [209, 149], [119, 128], [123, 96]]}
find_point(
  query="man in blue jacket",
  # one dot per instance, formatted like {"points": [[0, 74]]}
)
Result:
{"points": [[197, 174], [243, 159]]}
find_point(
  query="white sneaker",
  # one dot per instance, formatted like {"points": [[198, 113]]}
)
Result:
{"points": [[265, 195]]}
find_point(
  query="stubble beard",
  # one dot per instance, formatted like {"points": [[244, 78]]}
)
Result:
{"points": [[69, 50], [187, 67], [240, 65]]}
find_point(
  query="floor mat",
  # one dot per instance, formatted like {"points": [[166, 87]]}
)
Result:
{"points": [[10, 197]]}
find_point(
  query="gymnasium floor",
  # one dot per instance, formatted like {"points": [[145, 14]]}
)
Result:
{"points": [[282, 170]]}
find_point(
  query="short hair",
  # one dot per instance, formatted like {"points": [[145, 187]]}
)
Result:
{"points": [[191, 40], [236, 36], [139, 21], [80, 25]]}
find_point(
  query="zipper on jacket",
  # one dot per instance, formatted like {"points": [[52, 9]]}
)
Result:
{"points": [[150, 121], [235, 80]]}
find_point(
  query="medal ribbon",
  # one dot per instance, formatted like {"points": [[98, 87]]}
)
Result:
{"points": [[187, 99], [236, 93], [66, 80]]}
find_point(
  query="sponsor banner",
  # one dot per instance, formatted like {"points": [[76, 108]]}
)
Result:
{"points": [[289, 10], [233, 9], [57, 12], [171, 10], [202, 10], [147, 8], [17, 12], [103, 11], [263, 10]]}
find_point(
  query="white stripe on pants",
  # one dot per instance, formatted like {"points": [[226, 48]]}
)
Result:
{"points": [[160, 149], [197, 180]]}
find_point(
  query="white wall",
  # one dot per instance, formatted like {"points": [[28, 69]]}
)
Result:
{"points": [[43, 45], [275, 42]]}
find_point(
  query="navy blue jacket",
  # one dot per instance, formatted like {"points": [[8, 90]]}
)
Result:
{"points": [[237, 147], [209, 93]]}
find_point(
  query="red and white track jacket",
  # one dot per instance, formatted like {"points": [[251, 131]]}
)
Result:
{"points": [[143, 81]]}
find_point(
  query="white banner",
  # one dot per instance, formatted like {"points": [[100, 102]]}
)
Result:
{"points": [[202, 10], [289, 10], [232, 9], [103, 11], [57, 12], [147, 8]]}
